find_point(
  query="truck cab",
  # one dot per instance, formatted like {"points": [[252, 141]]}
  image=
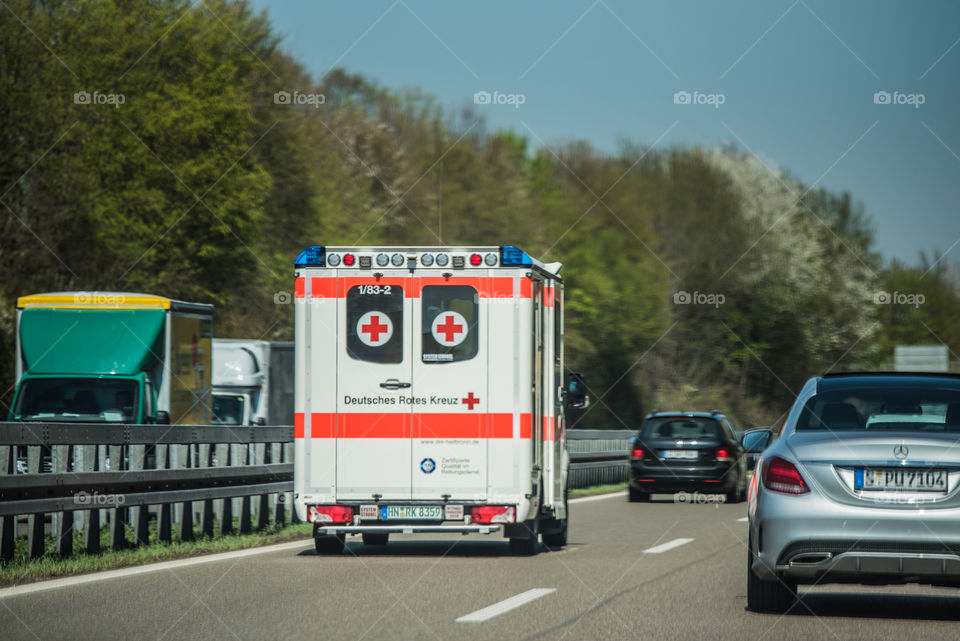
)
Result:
{"points": [[252, 382]]}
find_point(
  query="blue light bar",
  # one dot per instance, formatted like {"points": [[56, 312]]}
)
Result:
{"points": [[512, 256], [311, 257]]}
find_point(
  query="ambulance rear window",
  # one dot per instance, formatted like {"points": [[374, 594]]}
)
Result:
{"points": [[375, 323], [450, 331]]}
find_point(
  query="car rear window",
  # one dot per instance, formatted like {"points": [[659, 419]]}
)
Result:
{"points": [[680, 428], [909, 409]]}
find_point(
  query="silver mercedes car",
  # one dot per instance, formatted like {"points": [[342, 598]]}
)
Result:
{"points": [[863, 486]]}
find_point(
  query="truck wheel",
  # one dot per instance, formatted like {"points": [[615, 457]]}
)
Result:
{"points": [[330, 544], [777, 596], [636, 496], [558, 538], [527, 545], [375, 538]]}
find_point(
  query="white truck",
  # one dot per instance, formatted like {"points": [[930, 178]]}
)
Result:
{"points": [[252, 382], [429, 394]]}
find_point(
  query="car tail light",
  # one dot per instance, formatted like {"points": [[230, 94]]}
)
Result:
{"points": [[330, 514], [493, 514], [636, 454], [723, 454], [780, 475]]}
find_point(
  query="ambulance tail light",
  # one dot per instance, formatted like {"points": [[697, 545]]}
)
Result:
{"points": [[349, 260], [476, 259], [311, 257], [332, 514], [512, 257], [493, 514]]}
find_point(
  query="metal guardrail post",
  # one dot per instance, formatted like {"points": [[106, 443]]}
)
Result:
{"points": [[141, 514], [34, 521], [206, 515], [263, 505], [226, 504], [164, 526], [8, 524], [63, 521], [91, 535]]}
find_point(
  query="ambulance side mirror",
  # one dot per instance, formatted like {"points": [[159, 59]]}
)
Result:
{"points": [[576, 392]]}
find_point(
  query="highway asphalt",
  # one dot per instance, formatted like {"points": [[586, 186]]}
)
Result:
{"points": [[658, 570]]}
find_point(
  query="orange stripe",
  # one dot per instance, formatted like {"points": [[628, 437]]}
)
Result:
{"points": [[298, 421], [298, 287], [501, 425], [450, 426], [526, 426], [424, 426], [495, 287], [373, 425], [323, 425], [526, 288], [548, 296]]}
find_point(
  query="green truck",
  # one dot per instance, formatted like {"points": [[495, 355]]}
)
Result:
{"points": [[90, 357]]}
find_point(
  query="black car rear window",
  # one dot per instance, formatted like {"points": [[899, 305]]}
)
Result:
{"points": [[680, 428], [888, 408]]}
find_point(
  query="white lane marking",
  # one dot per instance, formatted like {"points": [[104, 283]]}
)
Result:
{"points": [[506, 605], [30, 588], [669, 545], [598, 497], [743, 520]]}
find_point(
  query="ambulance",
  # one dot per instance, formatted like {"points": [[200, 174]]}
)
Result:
{"points": [[429, 394]]}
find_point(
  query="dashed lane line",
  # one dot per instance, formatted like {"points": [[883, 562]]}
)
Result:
{"points": [[598, 497], [669, 545], [505, 606]]}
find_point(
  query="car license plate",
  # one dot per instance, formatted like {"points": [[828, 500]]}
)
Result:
{"points": [[686, 455], [922, 480], [412, 512]]}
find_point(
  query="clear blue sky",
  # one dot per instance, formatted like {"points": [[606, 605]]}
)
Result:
{"points": [[798, 81]]}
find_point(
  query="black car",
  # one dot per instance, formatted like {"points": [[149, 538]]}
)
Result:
{"points": [[687, 452]]}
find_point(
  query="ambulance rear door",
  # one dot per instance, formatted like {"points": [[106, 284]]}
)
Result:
{"points": [[451, 424], [374, 356]]}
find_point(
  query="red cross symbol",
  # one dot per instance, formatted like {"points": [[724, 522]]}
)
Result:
{"points": [[470, 400], [450, 329], [374, 328]]}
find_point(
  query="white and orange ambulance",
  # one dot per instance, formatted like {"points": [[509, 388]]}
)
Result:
{"points": [[430, 394]]}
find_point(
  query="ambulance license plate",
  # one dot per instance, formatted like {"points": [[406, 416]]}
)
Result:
{"points": [[411, 512]]}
